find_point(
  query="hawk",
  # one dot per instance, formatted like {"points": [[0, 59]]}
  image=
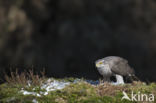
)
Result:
{"points": [[114, 66]]}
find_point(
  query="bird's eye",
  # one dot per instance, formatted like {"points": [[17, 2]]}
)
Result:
{"points": [[100, 63]]}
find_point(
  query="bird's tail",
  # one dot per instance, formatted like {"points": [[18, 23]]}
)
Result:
{"points": [[132, 78], [135, 78]]}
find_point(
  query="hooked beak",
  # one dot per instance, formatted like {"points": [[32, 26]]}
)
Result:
{"points": [[97, 65]]}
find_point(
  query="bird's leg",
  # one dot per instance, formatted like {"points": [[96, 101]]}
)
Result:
{"points": [[119, 79], [106, 79]]}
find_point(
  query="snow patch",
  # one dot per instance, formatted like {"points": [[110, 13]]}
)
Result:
{"points": [[52, 85], [49, 85], [34, 101], [30, 93]]}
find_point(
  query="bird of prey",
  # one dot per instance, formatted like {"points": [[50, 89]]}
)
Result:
{"points": [[114, 66]]}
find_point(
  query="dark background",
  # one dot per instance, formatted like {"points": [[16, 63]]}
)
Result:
{"points": [[66, 36]]}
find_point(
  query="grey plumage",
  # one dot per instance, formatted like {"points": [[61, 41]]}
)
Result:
{"points": [[113, 65]]}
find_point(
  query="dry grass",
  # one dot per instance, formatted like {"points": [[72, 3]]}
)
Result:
{"points": [[80, 92], [106, 89], [25, 78]]}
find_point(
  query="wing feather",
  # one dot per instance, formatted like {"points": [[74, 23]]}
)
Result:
{"points": [[121, 67]]}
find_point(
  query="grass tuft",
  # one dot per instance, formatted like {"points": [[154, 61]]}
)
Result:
{"points": [[25, 78], [78, 91]]}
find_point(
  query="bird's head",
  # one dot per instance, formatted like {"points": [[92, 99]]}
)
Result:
{"points": [[101, 63]]}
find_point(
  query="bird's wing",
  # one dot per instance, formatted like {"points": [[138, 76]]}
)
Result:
{"points": [[121, 67]]}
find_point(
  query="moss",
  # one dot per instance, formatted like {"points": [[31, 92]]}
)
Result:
{"points": [[104, 99], [74, 92], [80, 92], [68, 79], [7, 91]]}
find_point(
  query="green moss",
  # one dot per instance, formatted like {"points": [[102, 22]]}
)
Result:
{"points": [[7, 92], [74, 93], [119, 96], [104, 99], [80, 92]]}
